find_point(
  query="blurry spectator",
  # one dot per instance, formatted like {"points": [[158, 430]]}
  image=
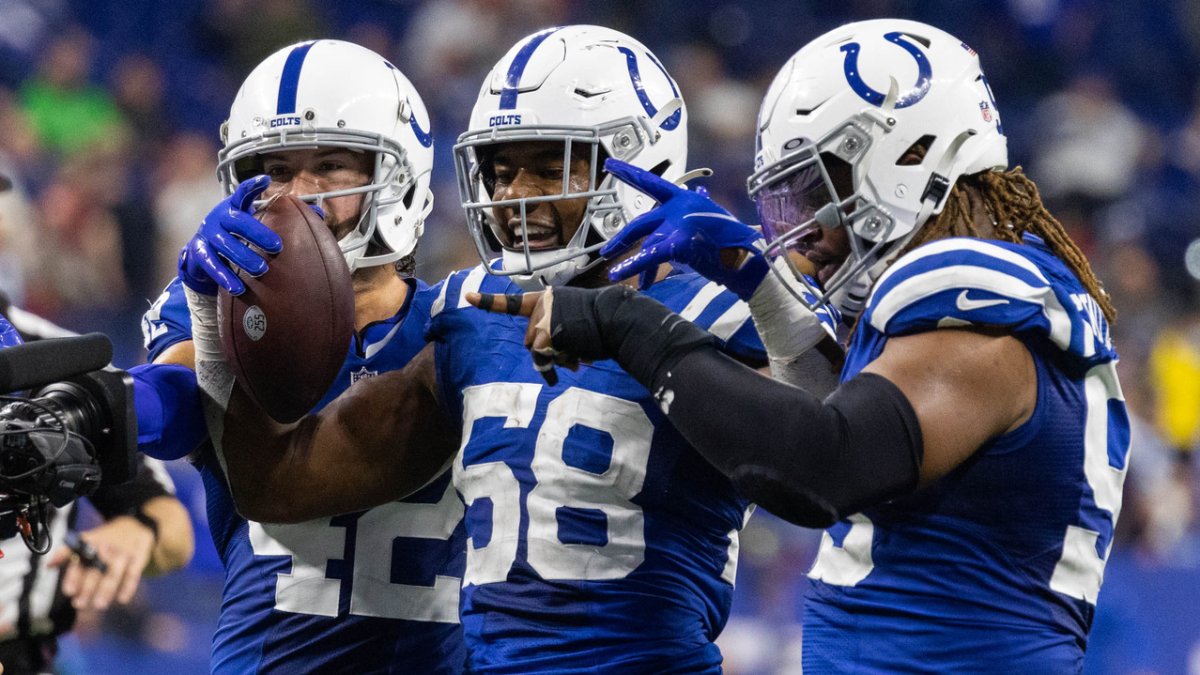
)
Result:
{"points": [[67, 112], [138, 85], [81, 261], [187, 176], [1089, 146], [18, 143], [243, 32], [1175, 364], [724, 107], [17, 234]]}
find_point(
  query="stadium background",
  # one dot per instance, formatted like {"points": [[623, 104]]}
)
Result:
{"points": [[109, 112]]}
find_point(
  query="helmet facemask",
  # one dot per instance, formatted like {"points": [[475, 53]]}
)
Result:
{"points": [[392, 181], [603, 216], [599, 93], [846, 95], [334, 94], [796, 195]]}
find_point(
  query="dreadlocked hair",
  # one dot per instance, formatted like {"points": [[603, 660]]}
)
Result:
{"points": [[1015, 207]]}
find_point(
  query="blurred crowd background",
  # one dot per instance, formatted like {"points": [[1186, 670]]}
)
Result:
{"points": [[109, 111]]}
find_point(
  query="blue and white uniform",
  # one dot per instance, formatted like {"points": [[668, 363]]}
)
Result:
{"points": [[598, 540], [996, 567], [369, 592]]}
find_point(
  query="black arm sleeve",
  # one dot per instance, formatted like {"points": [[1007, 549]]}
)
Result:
{"points": [[808, 461]]}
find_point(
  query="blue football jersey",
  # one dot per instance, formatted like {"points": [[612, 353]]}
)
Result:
{"points": [[369, 592], [598, 539], [995, 567]]}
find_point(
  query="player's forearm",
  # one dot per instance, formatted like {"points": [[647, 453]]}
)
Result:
{"points": [[378, 442], [273, 469], [176, 539], [807, 460]]}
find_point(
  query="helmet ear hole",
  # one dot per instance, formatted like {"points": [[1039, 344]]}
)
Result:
{"points": [[407, 199], [914, 155]]}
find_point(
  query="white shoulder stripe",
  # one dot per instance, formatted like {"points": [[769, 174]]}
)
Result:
{"points": [[921, 286], [439, 303], [959, 244], [702, 300], [471, 285], [731, 321]]}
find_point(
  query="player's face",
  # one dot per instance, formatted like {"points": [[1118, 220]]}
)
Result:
{"points": [[525, 169], [796, 201], [312, 171]]}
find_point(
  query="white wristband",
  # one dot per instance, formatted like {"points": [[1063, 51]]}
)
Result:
{"points": [[787, 327], [212, 371]]}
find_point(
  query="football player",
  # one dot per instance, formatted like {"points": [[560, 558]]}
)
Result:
{"points": [[598, 540], [969, 466], [373, 591]]}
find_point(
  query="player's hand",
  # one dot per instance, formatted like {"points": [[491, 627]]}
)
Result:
{"points": [[538, 307], [689, 228], [123, 545], [223, 239]]}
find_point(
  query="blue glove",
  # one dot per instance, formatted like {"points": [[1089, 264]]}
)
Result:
{"points": [[687, 227], [222, 239], [9, 337]]}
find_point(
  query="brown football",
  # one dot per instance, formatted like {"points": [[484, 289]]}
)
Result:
{"points": [[287, 336]]}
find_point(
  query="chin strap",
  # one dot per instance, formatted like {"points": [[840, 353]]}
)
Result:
{"points": [[212, 370]]}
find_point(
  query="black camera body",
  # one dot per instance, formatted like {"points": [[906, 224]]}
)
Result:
{"points": [[79, 430]]}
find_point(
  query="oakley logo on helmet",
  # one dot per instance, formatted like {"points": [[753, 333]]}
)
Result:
{"points": [[864, 90], [793, 143]]}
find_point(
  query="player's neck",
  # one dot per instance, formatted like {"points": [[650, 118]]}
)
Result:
{"points": [[379, 292]]}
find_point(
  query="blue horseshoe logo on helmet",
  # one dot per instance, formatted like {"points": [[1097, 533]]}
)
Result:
{"points": [[864, 90], [423, 137], [635, 78]]}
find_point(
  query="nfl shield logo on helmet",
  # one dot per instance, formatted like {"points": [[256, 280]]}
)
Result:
{"points": [[986, 111]]}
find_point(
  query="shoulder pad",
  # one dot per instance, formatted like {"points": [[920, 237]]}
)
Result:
{"points": [[167, 322], [972, 282], [712, 307]]}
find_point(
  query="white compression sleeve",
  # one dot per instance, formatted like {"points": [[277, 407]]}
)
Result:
{"points": [[789, 330], [212, 371]]}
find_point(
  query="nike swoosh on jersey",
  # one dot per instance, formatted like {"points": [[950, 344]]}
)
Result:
{"points": [[966, 304]]}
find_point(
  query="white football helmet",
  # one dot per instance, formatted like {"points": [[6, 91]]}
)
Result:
{"points": [[866, 93], [580, 85], [335, 93]]}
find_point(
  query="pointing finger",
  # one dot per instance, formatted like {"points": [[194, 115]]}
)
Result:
{"points": [[518, 305], [658, 188]]}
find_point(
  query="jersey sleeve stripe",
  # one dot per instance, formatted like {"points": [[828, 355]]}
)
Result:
{"points": [[731, 321], [700, 302], [440, 302], [910, 291], [471, 285], [959, 246]]}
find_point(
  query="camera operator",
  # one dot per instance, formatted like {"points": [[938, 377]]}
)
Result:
{"points": [[146, 531]]}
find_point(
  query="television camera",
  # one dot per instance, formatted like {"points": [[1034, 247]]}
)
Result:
{"points": [[76, 430]]}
